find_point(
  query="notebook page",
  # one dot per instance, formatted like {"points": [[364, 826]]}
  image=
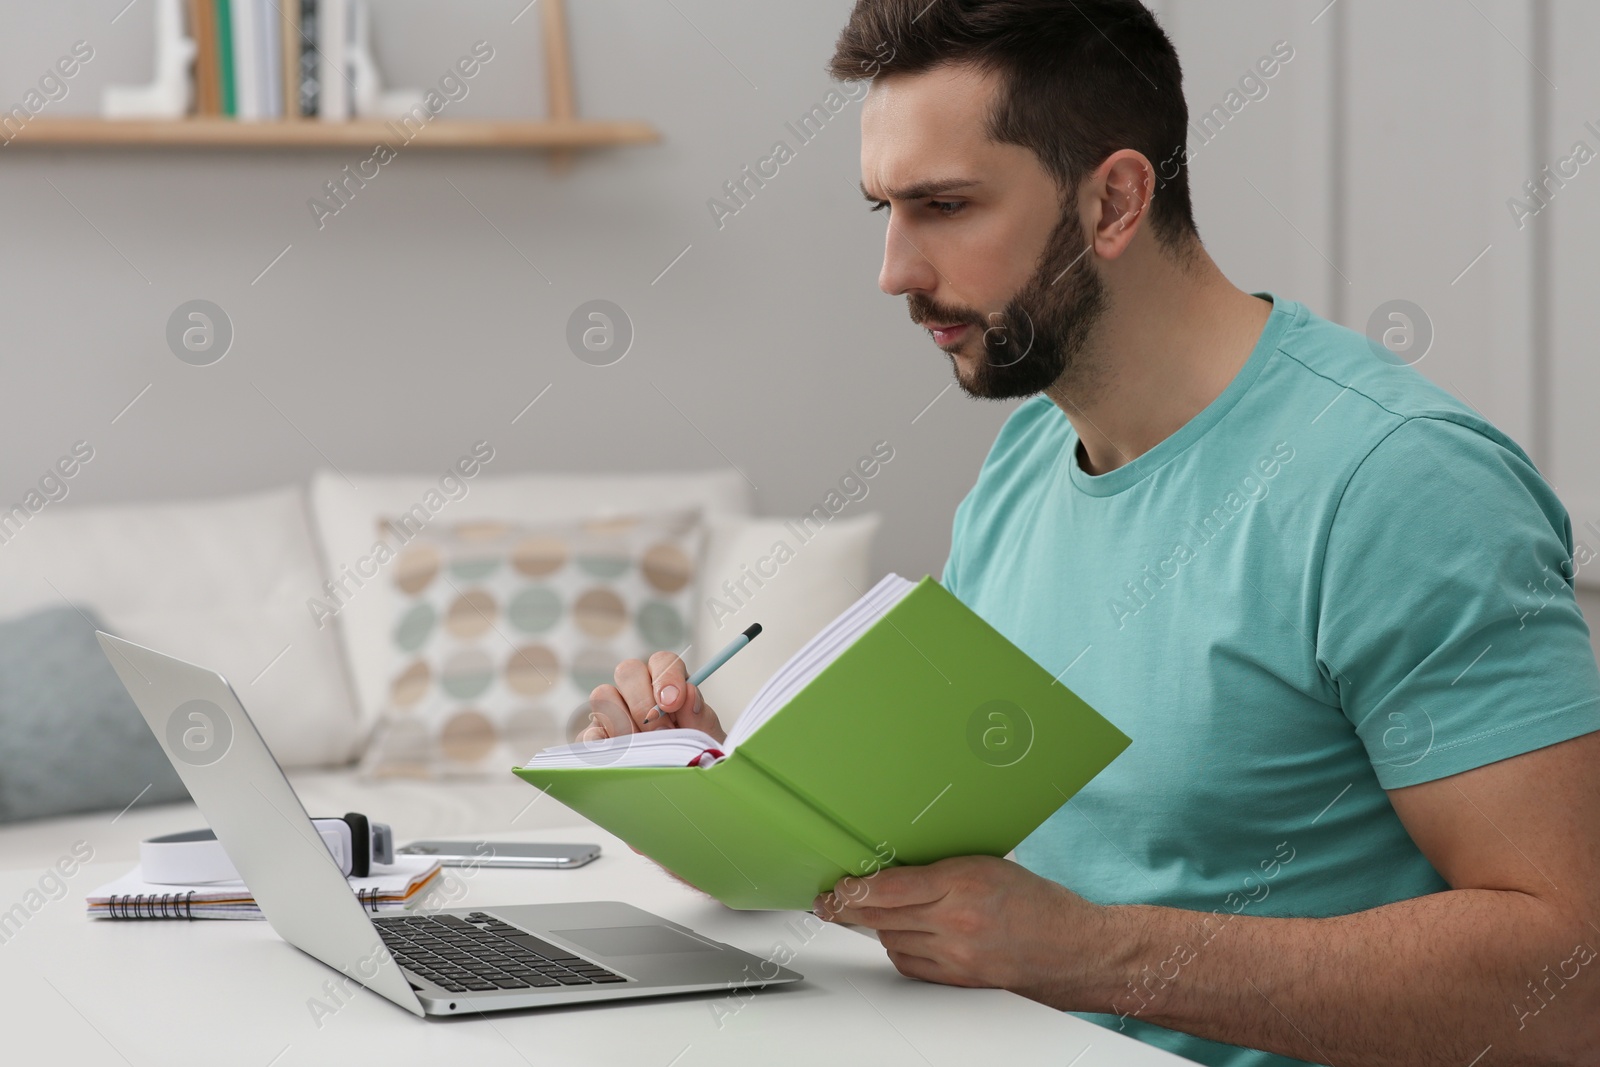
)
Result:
{"points": [[655, 748], [817, 653]]}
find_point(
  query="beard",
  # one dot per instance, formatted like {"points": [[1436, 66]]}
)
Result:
{"points": [[1037, 340]]}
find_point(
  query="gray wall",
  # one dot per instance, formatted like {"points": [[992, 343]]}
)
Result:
{"points": [[412, 324], [408, 326]]}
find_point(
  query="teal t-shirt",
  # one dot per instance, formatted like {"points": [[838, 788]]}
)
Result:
{"points": [[1336, 579]]}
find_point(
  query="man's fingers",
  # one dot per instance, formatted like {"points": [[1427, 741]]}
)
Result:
{"points": [[892, 887], [633, 682], [917, 943], [609, 712], [669, 680], [921, 968], [913, 919], [693, 711], [643, 687]]}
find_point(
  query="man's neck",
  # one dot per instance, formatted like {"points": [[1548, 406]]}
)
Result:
{"points": [[1160, 354]]}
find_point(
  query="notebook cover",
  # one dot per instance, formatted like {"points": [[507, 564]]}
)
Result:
{"points": [[930, 736]]}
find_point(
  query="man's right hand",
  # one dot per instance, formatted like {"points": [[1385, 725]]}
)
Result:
{"points": [[664, 680]]}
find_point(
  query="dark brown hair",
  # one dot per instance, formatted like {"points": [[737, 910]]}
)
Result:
{"points": [[1081, 79]]}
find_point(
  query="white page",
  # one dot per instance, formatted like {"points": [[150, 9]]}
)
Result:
{"points": [[817, 653], [656, 748]]}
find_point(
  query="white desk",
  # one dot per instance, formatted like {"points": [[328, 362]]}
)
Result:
{"points": [[214, 993]]}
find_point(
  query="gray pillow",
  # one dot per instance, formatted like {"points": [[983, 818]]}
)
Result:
{"points": [[71, 739]]}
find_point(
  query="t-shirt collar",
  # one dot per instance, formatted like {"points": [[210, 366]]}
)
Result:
{"points": [[1284, 312]]}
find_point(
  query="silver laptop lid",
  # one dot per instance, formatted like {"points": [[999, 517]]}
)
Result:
{"points": [[246, 799]]}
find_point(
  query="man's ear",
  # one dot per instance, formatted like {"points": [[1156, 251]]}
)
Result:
{"points": [[1116, 198]]}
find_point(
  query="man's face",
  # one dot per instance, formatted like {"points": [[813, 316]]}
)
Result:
{"points": [[978, 241]]}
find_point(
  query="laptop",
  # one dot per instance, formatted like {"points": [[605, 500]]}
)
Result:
{"points": [[445, 962]]}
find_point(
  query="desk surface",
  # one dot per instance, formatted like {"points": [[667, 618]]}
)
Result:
{"points": [[175, 993]]}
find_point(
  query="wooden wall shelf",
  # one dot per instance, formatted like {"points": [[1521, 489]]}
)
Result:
{"points": [[561, 131], [308, 133]]}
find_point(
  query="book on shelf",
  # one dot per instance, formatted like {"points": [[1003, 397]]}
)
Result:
{"points": [[289, 61], [252, 57], [203, 28], [225, 72], [269, 49], [247, 46], [907, 731], [333, 78], [310, 62]]}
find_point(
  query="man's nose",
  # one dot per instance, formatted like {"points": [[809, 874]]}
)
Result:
{"points": [[905, 268]]}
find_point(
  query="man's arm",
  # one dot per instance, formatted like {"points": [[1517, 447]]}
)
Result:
{"points": [[1499, 969]]}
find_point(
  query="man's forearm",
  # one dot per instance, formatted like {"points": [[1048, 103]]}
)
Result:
{"points": [[1431, 980]]}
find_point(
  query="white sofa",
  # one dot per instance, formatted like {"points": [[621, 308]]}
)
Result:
{"points": [[225, 583]]}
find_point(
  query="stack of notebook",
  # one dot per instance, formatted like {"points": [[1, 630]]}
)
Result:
{"points": [[391, 886]]}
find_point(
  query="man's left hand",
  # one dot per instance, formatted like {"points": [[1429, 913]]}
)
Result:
{"points": [[981, 921]]}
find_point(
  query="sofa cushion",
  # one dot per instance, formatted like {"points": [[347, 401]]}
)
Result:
{"points": [[222, 583], [348, 515], [502, 631], [71, 739]]}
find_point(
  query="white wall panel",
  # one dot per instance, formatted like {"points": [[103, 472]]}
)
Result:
{"points": [[1569, 224], [1440, 110], [1263, 179]]}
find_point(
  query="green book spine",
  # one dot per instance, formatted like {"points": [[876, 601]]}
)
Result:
{"points": [[225, 57], [931, 736]]}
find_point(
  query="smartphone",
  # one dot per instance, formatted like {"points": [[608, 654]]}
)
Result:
{"points": [[501, 853]]}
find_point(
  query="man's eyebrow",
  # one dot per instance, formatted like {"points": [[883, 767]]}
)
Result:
{"points": [[922, 190]]}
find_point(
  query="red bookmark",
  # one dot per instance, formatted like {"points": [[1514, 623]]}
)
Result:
{"points": [[717, 752]]}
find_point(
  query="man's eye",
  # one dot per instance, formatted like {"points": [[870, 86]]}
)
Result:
{"points": [[947, 207], [880, 205]]}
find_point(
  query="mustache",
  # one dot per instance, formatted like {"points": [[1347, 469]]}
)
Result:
{"points": [[924, 311]]}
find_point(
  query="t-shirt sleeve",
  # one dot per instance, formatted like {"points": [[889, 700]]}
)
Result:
{"points": [[1446, 619]]}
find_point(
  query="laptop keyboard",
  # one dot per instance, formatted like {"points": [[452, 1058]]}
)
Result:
{"points": [[481, 953]]}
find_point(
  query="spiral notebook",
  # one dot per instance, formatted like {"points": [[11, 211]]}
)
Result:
{"points": [[390, 887]]}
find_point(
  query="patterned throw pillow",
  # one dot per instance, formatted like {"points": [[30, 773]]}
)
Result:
{"points": [[501, 631]]}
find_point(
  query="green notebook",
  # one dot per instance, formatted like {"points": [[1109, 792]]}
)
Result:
{"points": [[908, 731]]}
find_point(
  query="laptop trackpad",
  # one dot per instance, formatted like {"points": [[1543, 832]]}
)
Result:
{"points": [[633, 940]]}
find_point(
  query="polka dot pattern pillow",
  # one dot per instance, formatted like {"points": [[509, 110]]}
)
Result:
{"points": [[501, 631]]}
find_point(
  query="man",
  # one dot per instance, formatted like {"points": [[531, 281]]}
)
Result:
{"points": [[1359, 822]]}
